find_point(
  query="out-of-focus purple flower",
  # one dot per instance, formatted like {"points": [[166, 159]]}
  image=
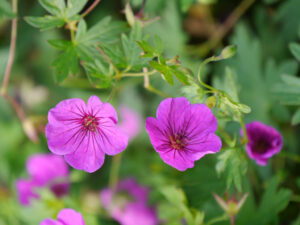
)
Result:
{"points": [[128, 204], [263, 142], [44, 170], [182, 132], [83, 133], [131, 122], [25, 191], [65, 217]]}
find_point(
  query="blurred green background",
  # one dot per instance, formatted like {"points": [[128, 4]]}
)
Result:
{"points": [[187, 28]]}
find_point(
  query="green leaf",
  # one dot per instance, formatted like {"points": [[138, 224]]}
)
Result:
{"points": [[164, 70], [81, 30], [131, 50], [179, 74], [97, 69], [105, 31], [278, 199], [296, 117], [149, 50], [75, 6], [5, 9], [288, 92], [45, 23], [174, 195], [295, 49], [290, 80], [98, 75], [177, 197], [233, 165], [55, 7], [65, 63], [60, 44]]}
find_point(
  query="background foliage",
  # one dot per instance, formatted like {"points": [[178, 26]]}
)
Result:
{"points": [[66, 57]]}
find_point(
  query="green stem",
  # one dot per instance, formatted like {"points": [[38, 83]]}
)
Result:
{"points": [[138, 74], [114, 171], [156, 91], [245, 137], [218, 219], [72, 35], [206, 61]]}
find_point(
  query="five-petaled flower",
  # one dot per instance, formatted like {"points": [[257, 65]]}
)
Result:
{"points": [[84, 133], [128, 204], [65, 217], [182, 132], [263, 142], [44, 170]]}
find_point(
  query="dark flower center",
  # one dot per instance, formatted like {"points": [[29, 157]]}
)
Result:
{"points": [[59, 189], [261, 146], [90, 122], [178, 142]]}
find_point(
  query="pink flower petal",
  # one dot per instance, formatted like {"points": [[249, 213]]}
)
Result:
{"points": [[25, 191], [199, 147], [99, 109], [178, 159], [111, 139], [50, 222], [131, 122], [158, 136], [44, 168], [70, 217], [63, 129], [88, 156]]}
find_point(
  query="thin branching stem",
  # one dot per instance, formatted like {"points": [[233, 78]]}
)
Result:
{"points": [[138, 74], [86, 12], [12, 49], [27, 125], [148, 86]]}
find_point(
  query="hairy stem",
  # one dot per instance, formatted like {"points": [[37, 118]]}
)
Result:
{"points": [[12, 49], [86, 12], [138, 74], [148, 86], [27, 125]]}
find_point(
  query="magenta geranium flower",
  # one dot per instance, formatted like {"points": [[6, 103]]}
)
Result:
{"points": [[129, 204], [83, 133], [263, 142], [65, 217], [131, 122], [45, 170], [182, 132]]}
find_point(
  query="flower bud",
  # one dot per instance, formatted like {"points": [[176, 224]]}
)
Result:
{"points": [[228, 52]]}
